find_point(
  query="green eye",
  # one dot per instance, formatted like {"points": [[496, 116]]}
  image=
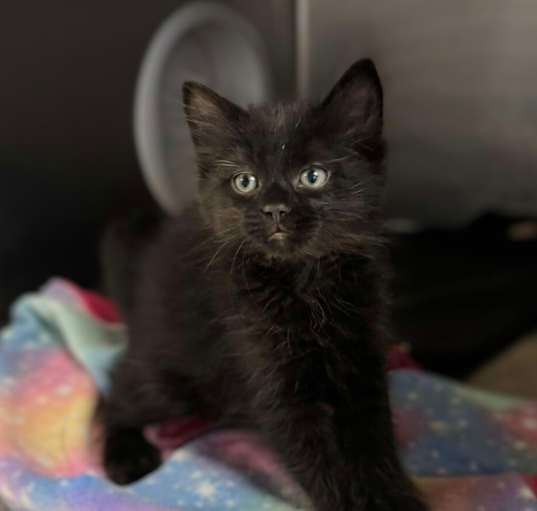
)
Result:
{"points": [[314, 177], [244, 183]]}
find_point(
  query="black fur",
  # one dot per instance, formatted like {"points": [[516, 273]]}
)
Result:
{"points": [[284, 335]]}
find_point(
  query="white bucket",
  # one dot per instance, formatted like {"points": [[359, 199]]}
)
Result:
{"points": [[204, 42]]}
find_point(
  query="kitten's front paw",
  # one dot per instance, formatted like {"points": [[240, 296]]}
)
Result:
{"points": [[128, 457]]}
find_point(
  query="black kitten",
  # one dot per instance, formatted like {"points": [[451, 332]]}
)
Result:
{"points": [[264, 303]]}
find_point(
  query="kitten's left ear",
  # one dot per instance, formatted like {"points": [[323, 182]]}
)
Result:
{"points": [[353, 108]]}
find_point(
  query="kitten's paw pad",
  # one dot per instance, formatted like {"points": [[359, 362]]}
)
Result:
{"points": [[126, 461]]}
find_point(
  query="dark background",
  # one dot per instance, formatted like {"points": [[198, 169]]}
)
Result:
{"points": [[67, 157]]}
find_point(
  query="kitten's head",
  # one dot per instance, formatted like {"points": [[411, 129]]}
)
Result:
{"points": [[292, 181]]}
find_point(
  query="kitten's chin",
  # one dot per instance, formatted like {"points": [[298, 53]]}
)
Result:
{"points": [[278, 245], [282, 246], [278, 237]]}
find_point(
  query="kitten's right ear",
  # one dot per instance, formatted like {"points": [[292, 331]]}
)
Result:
{"points": [[352, 111], [213, 120]]}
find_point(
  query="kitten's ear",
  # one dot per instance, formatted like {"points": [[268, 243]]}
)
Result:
{"points": [[353, 108], [212, 119]]}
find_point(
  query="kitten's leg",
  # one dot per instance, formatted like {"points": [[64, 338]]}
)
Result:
{"points": [[364, 433], [342, 454], [136, 399]]}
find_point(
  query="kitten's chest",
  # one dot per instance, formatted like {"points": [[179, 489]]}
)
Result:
{"points": [[298, 301]]}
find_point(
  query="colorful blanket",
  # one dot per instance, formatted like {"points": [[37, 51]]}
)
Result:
{"points": [[470, 451]]}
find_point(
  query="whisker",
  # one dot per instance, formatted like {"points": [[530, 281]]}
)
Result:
{"points": [[218, 251], [336, 160], [237, 253]]}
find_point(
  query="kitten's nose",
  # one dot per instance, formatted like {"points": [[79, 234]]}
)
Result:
{"points": [[276, 211]]}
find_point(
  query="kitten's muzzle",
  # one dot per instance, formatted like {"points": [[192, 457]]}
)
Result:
{"points": [[275, 212]]}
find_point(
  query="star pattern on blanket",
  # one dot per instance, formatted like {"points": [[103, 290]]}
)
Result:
{"points": [[464, 445]]}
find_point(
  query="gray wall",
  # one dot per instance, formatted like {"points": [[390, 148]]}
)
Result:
{"points": [[461, 97]]}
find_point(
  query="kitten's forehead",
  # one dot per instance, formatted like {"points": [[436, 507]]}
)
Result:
{"points": [[279, 136], [280, 122]]}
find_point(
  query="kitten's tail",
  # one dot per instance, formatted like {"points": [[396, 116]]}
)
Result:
{"points": [[122, 247]]}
